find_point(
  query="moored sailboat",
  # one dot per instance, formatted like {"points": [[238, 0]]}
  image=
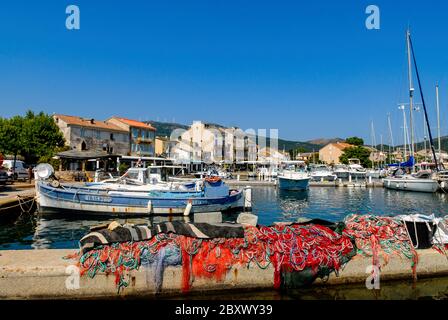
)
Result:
{"points": [[421, 181]]}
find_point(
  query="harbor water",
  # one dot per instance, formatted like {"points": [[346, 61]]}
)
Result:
{"points": [[269, 204]]}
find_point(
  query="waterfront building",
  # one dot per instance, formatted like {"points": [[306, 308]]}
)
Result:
{"points": [[331, 152], [88, 134], [210, 143], [272, 156], [141, 136], [307, 156]]}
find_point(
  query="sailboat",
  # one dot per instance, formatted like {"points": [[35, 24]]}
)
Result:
{"points": [[421, 181]]}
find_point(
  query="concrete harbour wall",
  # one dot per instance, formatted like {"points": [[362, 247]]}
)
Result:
{"points": [[36, 274]]}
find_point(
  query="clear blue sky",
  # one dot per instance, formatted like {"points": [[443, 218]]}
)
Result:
{"points": [[310, 70]]}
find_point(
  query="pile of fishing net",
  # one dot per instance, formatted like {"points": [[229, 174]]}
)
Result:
{"points": [[375, 236], [312, 250]]}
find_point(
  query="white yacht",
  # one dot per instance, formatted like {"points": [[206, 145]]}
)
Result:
{"points": [[355, 169], [421, 181], [322, 172], [341, 171]]}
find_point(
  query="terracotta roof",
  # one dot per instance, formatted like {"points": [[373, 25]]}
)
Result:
{"points": [[135, 123], [85, 122], [341, 145]]}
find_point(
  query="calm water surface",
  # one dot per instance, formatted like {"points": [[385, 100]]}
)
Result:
{"points": [[270, 204], [40, 232]]}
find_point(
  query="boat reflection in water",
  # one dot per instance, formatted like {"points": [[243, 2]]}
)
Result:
{"points": [[293, 203], [59, 231]]}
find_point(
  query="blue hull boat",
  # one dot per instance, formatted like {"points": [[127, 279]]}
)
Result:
{"points": [[295, 183], [56, 199]]}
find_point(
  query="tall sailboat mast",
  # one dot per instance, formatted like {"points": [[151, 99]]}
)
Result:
{"points": [[405, 129], [438, 122], [423, 102], [373, 144], [391, 138], [411, 94]]}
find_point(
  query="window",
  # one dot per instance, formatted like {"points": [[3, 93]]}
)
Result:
{"points": [[112, 137]]}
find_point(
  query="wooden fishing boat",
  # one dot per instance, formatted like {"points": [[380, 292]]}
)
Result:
{"points": [[54, 197], [57, 199]]}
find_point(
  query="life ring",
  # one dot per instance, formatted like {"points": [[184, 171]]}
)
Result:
{"points": [[213, 179]]}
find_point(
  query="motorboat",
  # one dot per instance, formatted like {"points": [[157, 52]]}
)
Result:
{"points": [[322, 172], [341, 171], [294, 178], [355, 169], [376, 173], [213, 172]]}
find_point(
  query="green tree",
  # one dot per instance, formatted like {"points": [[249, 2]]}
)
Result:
{"points": [[356, 141], [35, 136], [11, 136], [358, 152], [41, 137]]}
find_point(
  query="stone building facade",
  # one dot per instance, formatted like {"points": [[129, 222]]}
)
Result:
{"points": [[330, 153], [93, 135], [141, 135]]}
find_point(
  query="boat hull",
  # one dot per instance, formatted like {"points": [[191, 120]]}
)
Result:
{"points": [[107, 203], [328, 177], [293, 184], [417, 185], [342, 174]]}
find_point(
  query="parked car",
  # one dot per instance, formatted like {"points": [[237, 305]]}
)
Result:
{"points": [[3, 176], [20, 172]]}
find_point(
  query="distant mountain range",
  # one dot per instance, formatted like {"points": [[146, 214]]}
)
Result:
{"points": [[165, 129]]}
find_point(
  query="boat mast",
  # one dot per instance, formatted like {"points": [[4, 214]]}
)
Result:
{"points": [[411, 94], [373, 144], [423, 102], [391, 138], [381, 151], [405, 136], [424, 136], [438, 122]]}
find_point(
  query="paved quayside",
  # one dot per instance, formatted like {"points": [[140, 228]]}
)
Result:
{"points": [[36, 274]]}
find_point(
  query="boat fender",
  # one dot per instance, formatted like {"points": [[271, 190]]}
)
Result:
{"points": [[149, 206], [442, 184], [248, 197], [188, 208], [113, 225], [55, 184]]}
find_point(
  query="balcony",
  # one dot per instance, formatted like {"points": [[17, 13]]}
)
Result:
{"points": [[141, 140]]}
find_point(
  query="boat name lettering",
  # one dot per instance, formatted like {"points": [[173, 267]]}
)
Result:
{"points": [[98, 198]]}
